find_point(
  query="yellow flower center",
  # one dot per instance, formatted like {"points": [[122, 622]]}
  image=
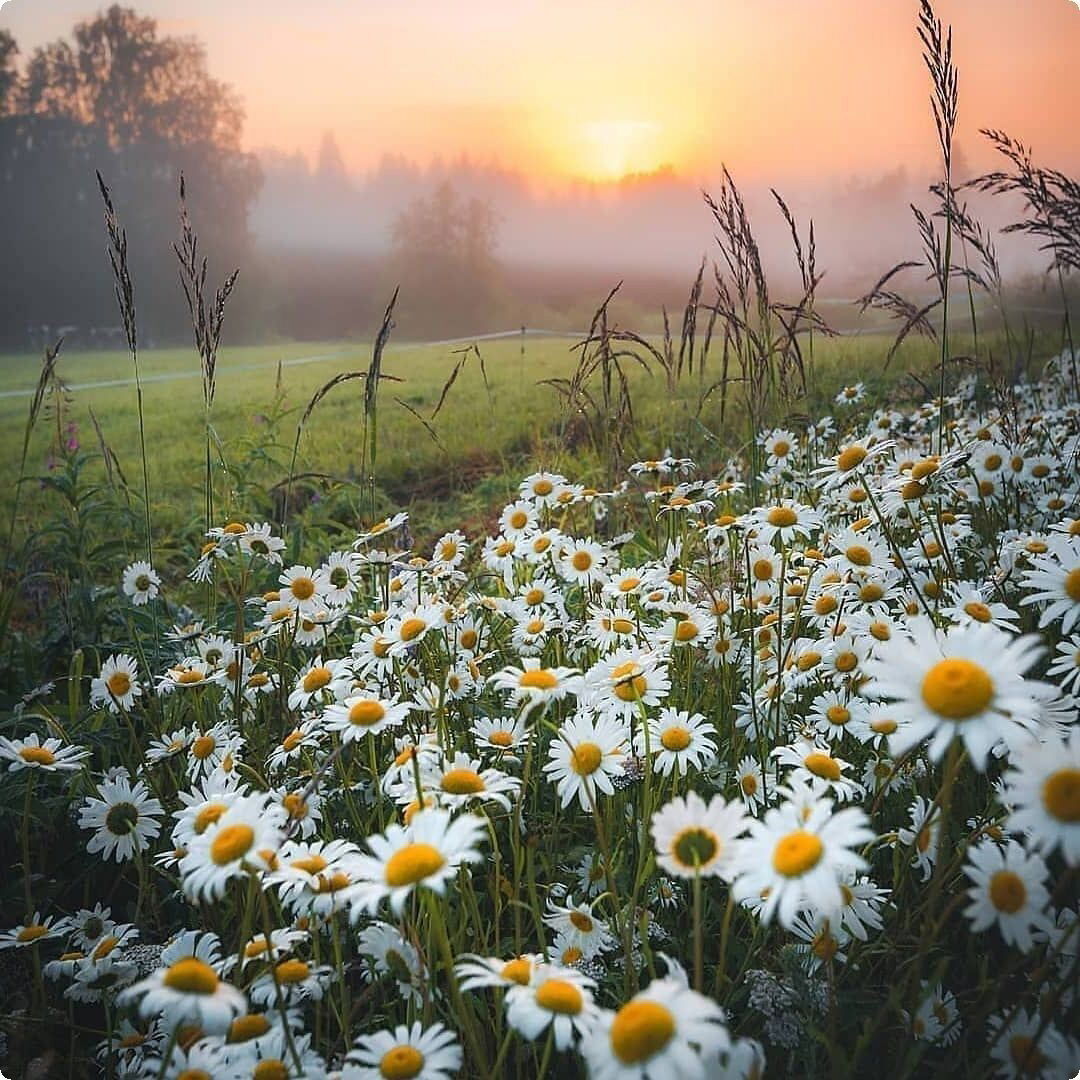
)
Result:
{"points": [[468, 639], [762, 569], [858, 555], [295, 805], [519, 519], [838, 715], [203, 747], [37, 755], [629, 584], [412, 628], [302, 587], [1026, 1055], [119, 683], [824, 946], [675, 739], [462, 782], [231, 843], [538, 679], [291, 971], [749, 784], [208, 815], [501, 739], [365, 713], [1072, 585], [686, 631], [316, 679], [883, 725], [582, 921], [825, 604], [270, 1069], [630, 683], [695, 847], [846, 661], [781, 516], [31, 933], [640, 1030], [1061, 795], [797, 853], [622, 626], [559, 996], [413, 863], [194, 1074], [517, 971], [1007, 892], [401, 1063], [585, 758], [581, 561], [871, 592], [310, 864], [191, 976], [292, 740], [822, 765], [850, 458], [957, 688], [542, 488]]}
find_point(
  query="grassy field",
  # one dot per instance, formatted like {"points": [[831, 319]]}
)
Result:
{"points": [[487, 435]]}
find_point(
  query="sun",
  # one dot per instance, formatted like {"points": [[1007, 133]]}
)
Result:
{"points": [[612, 148]]}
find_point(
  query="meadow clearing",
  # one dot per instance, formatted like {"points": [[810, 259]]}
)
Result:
{"points": [[637, 713]]}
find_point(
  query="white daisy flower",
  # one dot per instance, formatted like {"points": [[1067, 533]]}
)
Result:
{"points": [[799, 856], [417, 1052], [537, 686], [123, 819], [117, 686], [140, 582], [46, 755], [365, 714], [585, 756], [666, 1030], [427, 852], [679, 742], [188, 991], [692, 837], [967, 683], [1043, 787], [556, 997], [1008, 890]]}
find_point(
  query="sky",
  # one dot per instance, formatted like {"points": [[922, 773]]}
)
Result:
{"points": [[592, 89]]}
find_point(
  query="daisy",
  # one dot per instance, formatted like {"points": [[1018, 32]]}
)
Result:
{"points": [[1056, 579], [679, 742], [579, 927], [35, 929], [49, 756], [245, 837], [542, 488], [966, 683], [463, 780], [1008, 890], [209, 749], [535, 685], [583, 563], [624, 682], [450, 551], [187, 991], [365, 714], [922, 836], [426, 852], [937, 1018], [421, 1054], [666, 1030], [1026, 1047], [123, 819], [478, 972], [117, 686], [273, 1056], [316, 876], [390, 954], [1065, 669], [317, 680], [751, 781], [815, 766], [302, 589], [798, 857], [140, 582], [692, 837], [585, 757], [410, 627], [1043, 787], [556, 997], [291, 981], [785, 520], [499, 734]]}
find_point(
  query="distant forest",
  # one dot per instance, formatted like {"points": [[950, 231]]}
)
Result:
{"points": [[474, 246]]}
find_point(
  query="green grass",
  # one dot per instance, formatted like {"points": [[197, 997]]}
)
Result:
{"points": [[487, 437]]}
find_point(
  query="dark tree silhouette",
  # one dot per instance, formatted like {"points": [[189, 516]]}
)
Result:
{"points": [[141, 109]]}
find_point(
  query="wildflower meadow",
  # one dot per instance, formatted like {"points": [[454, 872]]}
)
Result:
{"points": [[758, 763]]}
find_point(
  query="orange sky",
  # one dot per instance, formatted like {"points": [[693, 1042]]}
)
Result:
{"points": [[594, 88]]}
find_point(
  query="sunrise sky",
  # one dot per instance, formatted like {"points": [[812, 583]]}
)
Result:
{"points": [[781, 89]]}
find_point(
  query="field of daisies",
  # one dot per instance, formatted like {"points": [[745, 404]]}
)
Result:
{"points": [[769, 773]]}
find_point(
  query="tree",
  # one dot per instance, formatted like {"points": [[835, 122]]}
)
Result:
{"points": [[141, 109], [9, 77], [444, 257]]}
